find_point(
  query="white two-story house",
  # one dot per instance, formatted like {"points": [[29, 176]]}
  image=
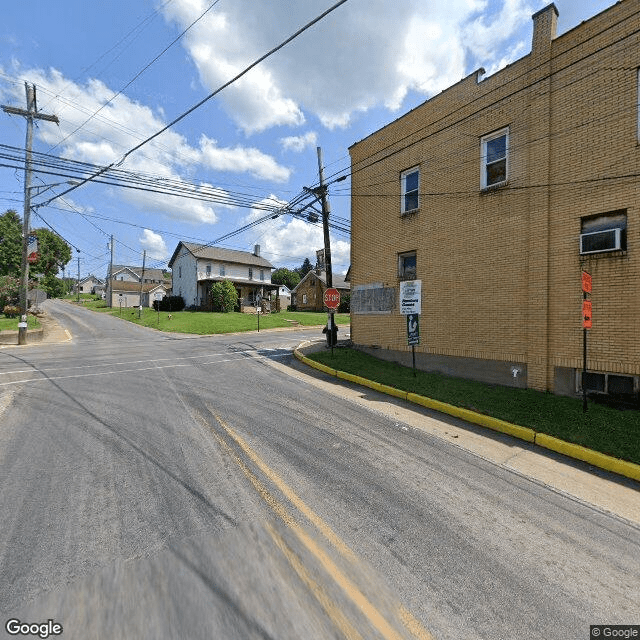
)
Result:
{"points": [[197, 267]]}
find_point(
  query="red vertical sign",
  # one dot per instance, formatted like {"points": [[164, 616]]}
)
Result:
{"points": [[586, 314], [586, 282]]}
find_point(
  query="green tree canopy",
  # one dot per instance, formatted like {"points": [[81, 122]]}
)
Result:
{"points": [[53, 252], [10, 244], [286, 277]]}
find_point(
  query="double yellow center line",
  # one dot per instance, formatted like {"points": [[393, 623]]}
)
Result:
{"points": [[375, 618]]}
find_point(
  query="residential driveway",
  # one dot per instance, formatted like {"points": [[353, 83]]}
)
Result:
{"points": [[158, 486]]}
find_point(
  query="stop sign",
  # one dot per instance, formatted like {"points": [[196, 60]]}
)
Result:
{"points": [[332, 298]]}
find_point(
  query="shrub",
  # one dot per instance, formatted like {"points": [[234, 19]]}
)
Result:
{"points": [[224, 296], [11, 311]]}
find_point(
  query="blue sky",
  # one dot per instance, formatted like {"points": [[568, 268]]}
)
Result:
{"points": [[251, 148]]}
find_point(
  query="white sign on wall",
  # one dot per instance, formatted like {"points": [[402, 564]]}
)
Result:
{"points": [[410, 297]]}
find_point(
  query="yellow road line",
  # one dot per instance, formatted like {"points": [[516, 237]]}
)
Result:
{"points": [[332, 610], [348, 586]]}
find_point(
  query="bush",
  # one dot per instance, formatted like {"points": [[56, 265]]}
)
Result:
{"points": [[345, 303], [169, 303], [224, 296], [291, 307], [11, 311]]}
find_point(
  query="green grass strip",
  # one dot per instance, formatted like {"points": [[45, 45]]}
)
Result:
{"points": [[605, 429]]}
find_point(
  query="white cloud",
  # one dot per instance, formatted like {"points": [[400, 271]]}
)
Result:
{"points": [[360, 56], [154, 244], [299, 143], [243, 160], [122, 124], [288, 241]]}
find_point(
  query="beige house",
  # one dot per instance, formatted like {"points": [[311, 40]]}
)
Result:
{"points": [[125, 294], [496, 194]]}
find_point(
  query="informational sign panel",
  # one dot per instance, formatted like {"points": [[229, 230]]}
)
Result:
{"points": [[413, 329], [410, 297], [586, 282], [586, 314]]}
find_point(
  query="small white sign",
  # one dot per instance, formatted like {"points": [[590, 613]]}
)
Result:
{"points": [[410, 297]]}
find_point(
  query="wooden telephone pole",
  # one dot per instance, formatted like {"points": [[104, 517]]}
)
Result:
{"points": [[31, 114]]}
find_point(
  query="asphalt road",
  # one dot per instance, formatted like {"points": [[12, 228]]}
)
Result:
{"points": [[157, 486]]}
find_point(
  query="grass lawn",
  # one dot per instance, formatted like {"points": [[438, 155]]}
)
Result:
{"points": [[608, 430], [12, 323], [204, 323]]}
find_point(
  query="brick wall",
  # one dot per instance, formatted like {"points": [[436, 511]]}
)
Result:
{"points": [[500, 268]]}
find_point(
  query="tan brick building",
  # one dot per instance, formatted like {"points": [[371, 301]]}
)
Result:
{"points": [[496, 194]]}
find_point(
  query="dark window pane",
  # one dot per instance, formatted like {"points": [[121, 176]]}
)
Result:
{"points": [[496, 149], [593, 381], [620, 385], [410, 201], [496, 172], [411, 182]]}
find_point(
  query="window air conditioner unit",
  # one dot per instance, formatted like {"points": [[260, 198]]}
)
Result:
{"points": [[599, 241]]}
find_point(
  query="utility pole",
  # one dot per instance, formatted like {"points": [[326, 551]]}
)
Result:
{"points": [[326, 210], [31, 114], [78, 285], [144, 259], [109, 288]]}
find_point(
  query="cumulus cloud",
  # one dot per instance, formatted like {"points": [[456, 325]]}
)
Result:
{"points": [[154, 244], [299, 143], [288, 241], [360, 56], [118, 126]]}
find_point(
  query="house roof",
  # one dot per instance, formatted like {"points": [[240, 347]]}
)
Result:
{"points": [[91, 276], [221, 255], [155, 274], [338, 281], [122, 286]]}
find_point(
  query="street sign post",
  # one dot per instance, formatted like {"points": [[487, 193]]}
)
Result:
{"points": [[587, 323], [331, 300], [410, 297], [413, 336]]}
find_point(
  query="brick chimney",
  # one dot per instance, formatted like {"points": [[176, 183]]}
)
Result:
{"points": [[256, 251], [545, 24]]}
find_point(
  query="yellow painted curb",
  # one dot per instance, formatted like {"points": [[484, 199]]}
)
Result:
{"points": [[595, 458], [524, 433]]}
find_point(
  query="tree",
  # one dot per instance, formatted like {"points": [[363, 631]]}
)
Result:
{"points": [[53, 252], [9, 288], [10, 244], [286, 277], [224, 296], [305, 268]]}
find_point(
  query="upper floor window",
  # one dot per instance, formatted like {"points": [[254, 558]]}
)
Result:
{"points": [[409, 186], [222, 270], [250, 273], [261, 274], [494, 158], [407, 265], [180, 272], [604, 233], [208, 269]]}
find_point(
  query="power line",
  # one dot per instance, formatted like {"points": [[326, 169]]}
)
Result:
{"points": [[204, 100]]}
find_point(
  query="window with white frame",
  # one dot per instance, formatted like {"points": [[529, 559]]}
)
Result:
{"points": [[250, 273], [222, 271], [208, 270], [409, 187], [494, 158], [407, 265], [261, 274]]}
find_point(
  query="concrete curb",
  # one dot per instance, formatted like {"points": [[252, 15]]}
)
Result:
{"points": [[594, 458]]}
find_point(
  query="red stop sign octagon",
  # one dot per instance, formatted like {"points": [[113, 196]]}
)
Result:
{"points": [[332, 298]]}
